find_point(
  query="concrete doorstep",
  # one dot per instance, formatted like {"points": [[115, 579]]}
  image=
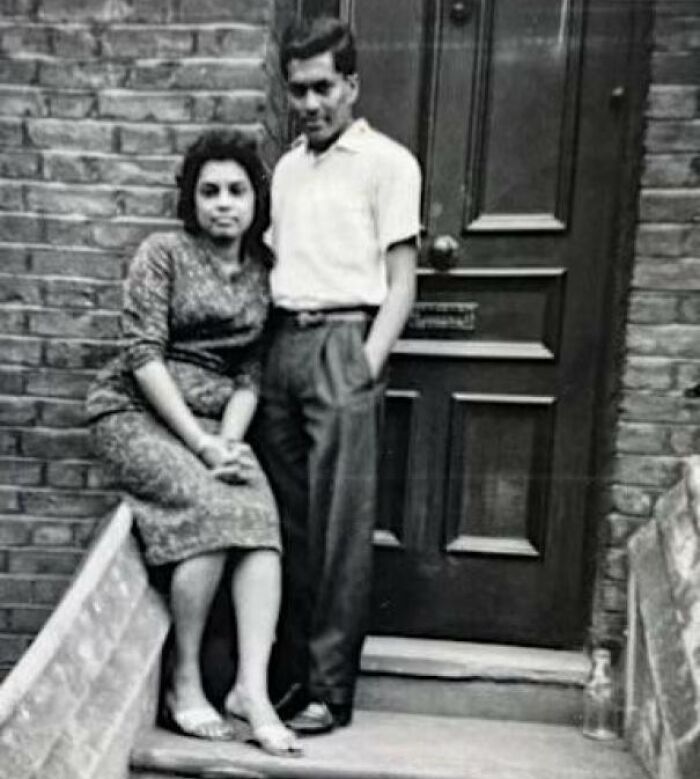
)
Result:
{"points": [[389, 745], [468, 679]]}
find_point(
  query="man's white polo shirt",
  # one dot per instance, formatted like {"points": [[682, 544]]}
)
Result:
{"points": [[334, 215]]}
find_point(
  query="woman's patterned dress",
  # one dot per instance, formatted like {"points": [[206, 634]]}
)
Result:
{"points": [[180, 307]]}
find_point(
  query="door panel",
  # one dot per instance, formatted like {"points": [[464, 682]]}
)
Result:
{"points": [[520, 165], [512, 72], [497, 480], [491, 406], [496, 312]]}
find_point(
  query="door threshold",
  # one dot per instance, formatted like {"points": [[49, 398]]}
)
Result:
{"points": [[443, 659], [468, 679]]}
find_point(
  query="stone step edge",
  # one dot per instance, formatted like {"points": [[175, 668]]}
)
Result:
{"points": [[139, 715], [143, 668], [463, 660], [145, 601], [387, 745], [90, 571]]}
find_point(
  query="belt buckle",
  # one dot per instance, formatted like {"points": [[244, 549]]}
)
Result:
{"points": [[309, 318]]}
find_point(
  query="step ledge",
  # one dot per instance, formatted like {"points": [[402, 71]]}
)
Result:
{"points": [[102, 691], [381, 745], [439, 659], [40, 653]]}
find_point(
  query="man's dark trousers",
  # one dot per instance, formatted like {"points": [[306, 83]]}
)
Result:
{"points": [[318, 429]]}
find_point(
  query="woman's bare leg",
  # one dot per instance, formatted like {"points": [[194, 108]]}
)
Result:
{"points": [[193, 586], [256, 589]]}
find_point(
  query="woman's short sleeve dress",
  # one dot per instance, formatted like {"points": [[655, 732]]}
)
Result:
{"points": [[181, 308]]}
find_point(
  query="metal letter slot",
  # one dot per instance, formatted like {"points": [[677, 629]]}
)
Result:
{"points": [[443, 316]]}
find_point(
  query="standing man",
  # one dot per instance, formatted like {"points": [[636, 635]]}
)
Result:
{"points": [[345, 225]]}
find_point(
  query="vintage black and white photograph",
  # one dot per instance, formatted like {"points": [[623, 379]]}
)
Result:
{"points": [[350, 389]]}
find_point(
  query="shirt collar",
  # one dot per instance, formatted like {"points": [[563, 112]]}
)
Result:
{"points": [[350, 140]]}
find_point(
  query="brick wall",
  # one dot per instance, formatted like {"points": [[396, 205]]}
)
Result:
{"points": [[657, 423], [97, 101]]}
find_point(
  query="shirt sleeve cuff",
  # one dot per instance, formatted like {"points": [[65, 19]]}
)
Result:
{"points": [[139, 355]]}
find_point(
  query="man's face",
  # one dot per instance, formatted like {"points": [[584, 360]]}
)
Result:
{"points": [[321, 97]]}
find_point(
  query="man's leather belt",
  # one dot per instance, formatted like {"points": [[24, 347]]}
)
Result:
{"points": [[311, 317]]}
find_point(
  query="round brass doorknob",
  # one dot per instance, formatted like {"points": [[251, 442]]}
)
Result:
{"points": [[443, 252], [460, 11]]}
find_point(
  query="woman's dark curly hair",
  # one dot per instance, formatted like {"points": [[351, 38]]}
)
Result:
{"points": [[226, 145]]}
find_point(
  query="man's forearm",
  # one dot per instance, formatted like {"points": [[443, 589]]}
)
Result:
{"points": [[396, 308]]}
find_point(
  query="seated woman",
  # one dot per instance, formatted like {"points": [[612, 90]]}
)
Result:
{"points": [[170, 413]]}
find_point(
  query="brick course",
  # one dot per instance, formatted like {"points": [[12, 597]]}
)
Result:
{"points": [[97, 102]]}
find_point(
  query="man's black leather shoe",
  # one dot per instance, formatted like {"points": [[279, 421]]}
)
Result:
{"points": [[315, 718], [342, 713], [292, 702]]}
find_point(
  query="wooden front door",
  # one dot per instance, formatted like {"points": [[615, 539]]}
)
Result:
{"points": [[514, 109]]}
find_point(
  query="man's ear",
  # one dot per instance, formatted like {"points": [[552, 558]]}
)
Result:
{"points": [[354, 81]]}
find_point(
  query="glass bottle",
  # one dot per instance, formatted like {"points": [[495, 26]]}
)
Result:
{"points": [[599, 700]]}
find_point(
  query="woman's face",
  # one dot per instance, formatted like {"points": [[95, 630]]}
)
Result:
{"points": [[224, 200]]}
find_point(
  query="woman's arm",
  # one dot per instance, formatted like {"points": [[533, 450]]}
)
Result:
{"points": [[237, 417], [166, 400], [147, 332]]}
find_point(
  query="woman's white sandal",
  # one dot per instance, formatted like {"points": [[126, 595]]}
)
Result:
{"points": [[272, 737], [196, 722], [275, 739]]}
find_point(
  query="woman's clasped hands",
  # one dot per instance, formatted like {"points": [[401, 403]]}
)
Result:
{"points": [[230, 460]]}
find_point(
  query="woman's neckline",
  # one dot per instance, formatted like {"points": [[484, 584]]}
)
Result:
{"points": [[225, 266]]}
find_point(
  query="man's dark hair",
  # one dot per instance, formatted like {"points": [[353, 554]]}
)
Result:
{"points": [[308, 38], [225, 145]]}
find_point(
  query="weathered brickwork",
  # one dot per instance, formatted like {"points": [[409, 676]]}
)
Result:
{"points": [[663, 702], [97, 101], [72, 705], [659, 419]]}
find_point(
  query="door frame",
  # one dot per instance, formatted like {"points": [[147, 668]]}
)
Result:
{"points": [[610, 362]]}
